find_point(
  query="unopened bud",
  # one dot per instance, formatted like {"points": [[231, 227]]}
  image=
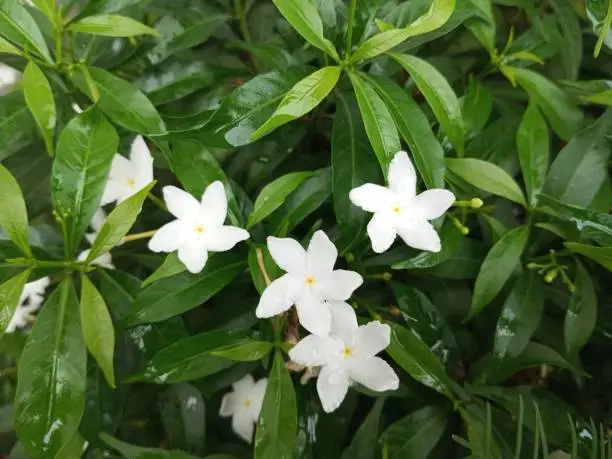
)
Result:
{"points": [[532, 266], [349, 257], [464, 230], [551, 276], [387, 277], [394, 311], [476, 203]]}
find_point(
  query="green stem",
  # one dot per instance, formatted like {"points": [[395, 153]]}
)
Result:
{"points": [[58, 45], [137, 236], [158, 202], [241, 14], [349, 30], [63, 264]]}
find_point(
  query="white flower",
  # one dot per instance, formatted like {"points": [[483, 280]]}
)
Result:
{"points": [[244, 405], [32, 294], [198, 228], [559, 455], [8, 78], [128, 176], [347, 356], [311, 283], [104, 261], [96, 224], [398, 209]]}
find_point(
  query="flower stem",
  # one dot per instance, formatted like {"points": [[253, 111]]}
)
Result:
{"points": [[137, 236], [349, 29], [158, 202], [241, 13], [262, 266], [64, 264]]}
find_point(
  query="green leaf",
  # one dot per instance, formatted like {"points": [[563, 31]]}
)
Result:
{"points": [[601, 26], [483, 26], [175, 81], [533, 144], [438, 14], [476, 107], [414, 128], [41, 103], [123, 102], [305, 19], [579, 170], [10, 294], [50, 396], [47, 7], [170, 267], [486, 176], [520, 316], [7, 48], [244, 352], [85, 150], [497, 268], [13, 214], [277, 426], [274, 194], [190, 358], [581, 314], [601, 255], [363, 445], [19, 27], [111, 25], [118, 223], [17, 127], [439, 95], [415, 435], [410, 353], [378, 122], [98, 328], [138, 452], [273, 271], [183, 413], [177, 294], [301, 99], [569, 43], [564, 117], [106, 6]]}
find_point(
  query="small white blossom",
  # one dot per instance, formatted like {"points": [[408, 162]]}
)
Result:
{"points": [[128, 176], [198, 228], [8, 78], [243, 404], [30, 301], [96, 224], [346, 356], [33, 292], [398, 210], [104, 261], [311, 283], [559, 455]]}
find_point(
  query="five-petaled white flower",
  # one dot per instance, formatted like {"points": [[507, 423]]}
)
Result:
{"points": [[311, 283], [244, 405], [30, 301], [346, 356], [399, 210], [198, 228], [128, 176], [8, 78]]}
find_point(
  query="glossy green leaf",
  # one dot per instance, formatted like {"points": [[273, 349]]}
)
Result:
{"points": [[486, 176], [520, 316], [497, 268], [85, 151], [111, 25], [118, 223], [277, 427], [533, 145], [438, 14], [47, 7], [415, 435], [106, 6], [305, 19], [579, 170], [13, 214], [301, 99], [177, 294], [176, 80], [410, 353], [414, 128], [50, 396], [7, 48], [483, 25], [581, 314], [19, 27], [563, 115], [123, 103], [570, 41], [272, 270], [170, 267], [476, 107], [41, 103], [245, 352], [439, 95], [10, 294], [139, 452], [378, 122], [601, 22], [98, 328], [274, 194], [601, 255], [17, 127], [363, 445]]}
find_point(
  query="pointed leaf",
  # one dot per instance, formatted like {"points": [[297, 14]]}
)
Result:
{"points": [[363, 445], [41, 103], [13, 214], [7, 48], [111, 25], [19, 27], [10, 294], [139, 452], [601, 255], [581, 315], [171, 266], [246, 351], [183, 412]]}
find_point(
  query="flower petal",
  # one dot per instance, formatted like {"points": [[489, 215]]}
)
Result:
{"points": [[257, 395], [229, 404], [288, 254], [402, 176], [313, 314], [214, 204], [277, 297], [332, 386], [433, 203], [314, 350], [98, 220], [244, 385], [382, 232], [168, 238], [113, 191], [372, 338], [421, 235], [322, 253], [371, 197], [344, 320], [223, 238], [340, 285], [142, 161], [243, 425], [121, 168], [181, 204], [375, 374], [193, 257]]}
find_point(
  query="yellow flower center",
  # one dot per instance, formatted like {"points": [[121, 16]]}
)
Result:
{"points": [[310, 281], [247, 403], [397, 210], [199, 229], [347, 352], [131, 183]]}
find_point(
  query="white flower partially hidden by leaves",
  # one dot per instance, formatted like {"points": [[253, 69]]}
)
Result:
{"points": [[311, 283], [198, 228], [398, 210], [96, 224], [559, 454], [8, 78], [30, 301], [243, 404], [129, 176], [347, 356], [104, 261]]}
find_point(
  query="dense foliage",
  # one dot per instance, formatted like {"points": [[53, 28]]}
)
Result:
{"points": [[163, 325]]}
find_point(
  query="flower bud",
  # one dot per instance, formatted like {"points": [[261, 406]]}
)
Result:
{"points": [[551, 276], [476, 203]]}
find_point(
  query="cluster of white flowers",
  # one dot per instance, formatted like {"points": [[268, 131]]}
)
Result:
{"points": [[30, 301]]}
